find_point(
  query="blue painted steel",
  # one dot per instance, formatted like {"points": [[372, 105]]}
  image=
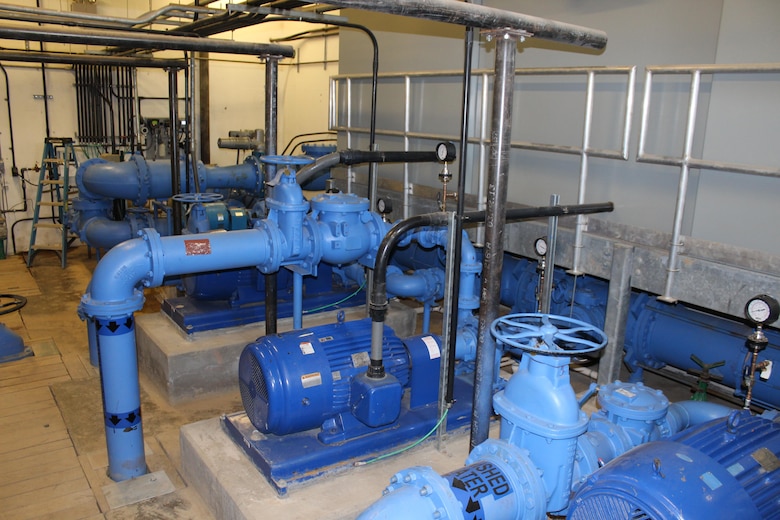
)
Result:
{"points": [[121, 398], [11, 345], [316, 151], [425, 356], [723, 469], [659, 334], [139, 180], [297, 300], [295, 381], [547, 446], [289, 460], [376, 402], [230, 298], [539, 410], [498, 481]]}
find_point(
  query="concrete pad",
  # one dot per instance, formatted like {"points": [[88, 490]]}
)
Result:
{"points": [[135, 490], [234, 489], [185, 367]]}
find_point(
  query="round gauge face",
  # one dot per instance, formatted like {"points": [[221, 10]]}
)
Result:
{"points": [[540, 246], [383, 206], [445, 152], [441, 151], [758, 311], [762, 309]]}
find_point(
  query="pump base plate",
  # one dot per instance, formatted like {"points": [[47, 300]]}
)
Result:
{"points": [[290, 460]]}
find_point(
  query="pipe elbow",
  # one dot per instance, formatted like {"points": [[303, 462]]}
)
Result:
{"points": [[101, 179], [116, 288], [685, 414], [102, 233]]}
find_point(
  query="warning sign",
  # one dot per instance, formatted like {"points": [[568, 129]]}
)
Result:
{"points": [[200, 246], [477, 486]]}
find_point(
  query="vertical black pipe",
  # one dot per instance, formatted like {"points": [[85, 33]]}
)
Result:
{"points": [[173, 110], [271, 87], [492, 264], [458, 234]]}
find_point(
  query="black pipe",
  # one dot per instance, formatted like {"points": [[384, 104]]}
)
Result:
{"points": [[271, 121], [61, 58], [513, 215], [173, 111], [492, 263], [374, 87], [378, 299], [352, 157], [14, 169], [449, 391]]}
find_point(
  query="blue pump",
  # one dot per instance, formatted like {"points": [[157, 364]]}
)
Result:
{"points": [[547, 447], [657, 333]]}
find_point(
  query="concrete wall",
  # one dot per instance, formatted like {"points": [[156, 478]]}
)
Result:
{"points": [[721, 207]]}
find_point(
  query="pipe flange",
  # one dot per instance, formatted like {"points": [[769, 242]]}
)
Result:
{"points": [[430, 485], [144, 179], [525, 476], [275, 246], [111, 310], [154, 277]]}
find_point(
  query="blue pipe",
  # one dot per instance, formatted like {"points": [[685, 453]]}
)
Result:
{"points": [[297, 300], [116, 292], [139, 180]]}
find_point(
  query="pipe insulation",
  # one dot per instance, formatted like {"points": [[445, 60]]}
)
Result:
{"points": [[483, 17]]}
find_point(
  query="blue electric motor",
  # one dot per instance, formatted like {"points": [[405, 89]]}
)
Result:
{"points": [[298, 380], [727, 468]]}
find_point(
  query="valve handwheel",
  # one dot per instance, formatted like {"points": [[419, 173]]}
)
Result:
{"points": [[548, 334], [287, 160], [195, 198]]}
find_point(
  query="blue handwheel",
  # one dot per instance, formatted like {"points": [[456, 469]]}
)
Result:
{"points": [[548, 334], [194, 198], [286, 160]]}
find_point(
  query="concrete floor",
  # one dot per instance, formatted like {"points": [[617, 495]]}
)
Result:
{"points": [[51, 419]]}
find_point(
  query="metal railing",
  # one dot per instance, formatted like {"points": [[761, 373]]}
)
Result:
{"points": [[483, 77], [686, 161]]}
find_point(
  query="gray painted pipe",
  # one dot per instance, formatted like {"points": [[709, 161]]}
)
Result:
{"points": [[490, 296], [88, 59], [146, 40], [482, 17]]}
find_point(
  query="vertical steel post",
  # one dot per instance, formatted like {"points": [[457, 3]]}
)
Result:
{"points": [[549, 266], [672, 266], [498, 169], [271, 100], [618, 303]]}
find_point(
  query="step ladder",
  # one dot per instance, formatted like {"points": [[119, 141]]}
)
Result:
{"points": [[54, 181]]}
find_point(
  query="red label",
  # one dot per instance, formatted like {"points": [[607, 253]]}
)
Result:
{"points": [[200, 246]]}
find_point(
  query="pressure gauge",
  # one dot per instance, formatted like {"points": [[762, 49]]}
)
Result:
{"points": [[762, 309], [445, 152], [384, 206], [540, 246]]}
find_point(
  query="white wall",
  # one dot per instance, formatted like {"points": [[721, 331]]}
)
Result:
{"points": [[237, 92]]}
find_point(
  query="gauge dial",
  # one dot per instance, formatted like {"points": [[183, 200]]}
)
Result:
{"points": [[762, 309], [540, 246], [445, 152], [384, 206]]}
